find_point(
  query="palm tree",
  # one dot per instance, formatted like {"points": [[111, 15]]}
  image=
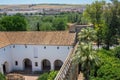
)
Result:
{"points": [[87, 35], [85, 54]]}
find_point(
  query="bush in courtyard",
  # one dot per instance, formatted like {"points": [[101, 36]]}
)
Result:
{"points": [[43, 76], [117, 52], [96, 78], [48, 76], [52, 75], [2, 77], [110, 67]]}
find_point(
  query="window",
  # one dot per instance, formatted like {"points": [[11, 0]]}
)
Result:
{"points": [[44, 47], [4, 49], [68, 47], [36, 64], [13, 46], [57, 47], [16, 63], [25, 46]]}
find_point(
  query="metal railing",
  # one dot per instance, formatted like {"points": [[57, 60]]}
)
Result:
{"points": [[68, 70]]}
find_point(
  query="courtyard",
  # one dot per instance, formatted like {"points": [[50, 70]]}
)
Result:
{"points": [[16, 76]]}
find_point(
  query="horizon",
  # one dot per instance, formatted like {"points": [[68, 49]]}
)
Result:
{"points": [[25, 2]]}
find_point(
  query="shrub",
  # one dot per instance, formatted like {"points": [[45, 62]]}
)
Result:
{"points": [[96, 78], [2, 77], [43, 76], [117, 52], [48, 76], [52, 75], [109, 68]]}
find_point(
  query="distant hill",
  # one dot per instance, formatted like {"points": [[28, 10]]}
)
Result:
{"points": [[35, 6]]}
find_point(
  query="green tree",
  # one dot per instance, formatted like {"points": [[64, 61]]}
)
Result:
{"points": [[38, 26], [13, 23], [46, 26], [117, 52], [32, 22], [60, 24], [85, 54], [110, 68], [83, 21], [111, 23], [73, 17], [106, 31], [87, 35], [2, 28], [93, 13], [48, 18]]}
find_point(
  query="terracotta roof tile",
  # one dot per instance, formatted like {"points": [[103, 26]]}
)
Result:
{"points": [[41, 38], [3, 39]]}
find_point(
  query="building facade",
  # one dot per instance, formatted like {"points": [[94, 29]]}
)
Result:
{"points": [[34, 51]]}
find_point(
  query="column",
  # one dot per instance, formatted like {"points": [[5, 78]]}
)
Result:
{"points": [[52, 65], [1, 69]]}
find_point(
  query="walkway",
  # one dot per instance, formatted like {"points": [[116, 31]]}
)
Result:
{"points": [[80, 76], [31, 77], [16, 76]]}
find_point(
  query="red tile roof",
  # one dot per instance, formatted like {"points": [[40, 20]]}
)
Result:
{"points": [[37, 38]]}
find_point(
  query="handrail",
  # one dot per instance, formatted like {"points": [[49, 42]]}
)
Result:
{"points": [[65, 67]]}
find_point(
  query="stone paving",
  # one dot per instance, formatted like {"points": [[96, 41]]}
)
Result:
{"points": [[31, 77]]}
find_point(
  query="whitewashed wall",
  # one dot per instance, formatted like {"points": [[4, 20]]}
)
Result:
{"points": [[5, 56], [19, 53]]}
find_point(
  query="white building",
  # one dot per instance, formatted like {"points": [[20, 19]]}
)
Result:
{"points": [[34, 51]]}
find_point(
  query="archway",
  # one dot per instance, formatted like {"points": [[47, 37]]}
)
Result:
{"points": [[5, 68], [27, 64], [57, 64], [46, 66]]}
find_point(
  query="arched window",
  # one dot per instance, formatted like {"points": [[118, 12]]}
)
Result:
{"points": [[5, 67], [27, 63], [57, 64], [46, 66], [16, 63]]}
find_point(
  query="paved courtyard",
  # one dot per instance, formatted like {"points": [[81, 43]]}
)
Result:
{"points": [[16, 76], [31, 77]]}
